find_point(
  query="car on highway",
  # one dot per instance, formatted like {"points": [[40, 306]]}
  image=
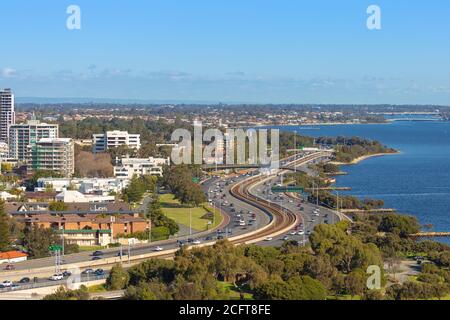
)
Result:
{"points": [[196, 242], [25, 280], [66, 274], [96, 258], [98, 253], [88, 271], [7, 284], [268, 239], [208, 238], [9, 267], [300, 232], [99, 272], [158, 249], [56, 277]]}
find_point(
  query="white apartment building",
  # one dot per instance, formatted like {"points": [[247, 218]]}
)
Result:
{"points": [[114, 139], [69, 196], [101, 186], [52, 154], [127, 167], [25, 135], [4, 151], [7, 113]]}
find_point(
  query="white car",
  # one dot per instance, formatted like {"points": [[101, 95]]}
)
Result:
{"points": [[196, 242], [293, 233], [268, 239], [300, 233], [157, 249], [57, 277], [7, 284]]}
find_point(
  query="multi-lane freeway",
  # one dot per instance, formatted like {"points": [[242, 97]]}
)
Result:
{"points": [[252, 214]]}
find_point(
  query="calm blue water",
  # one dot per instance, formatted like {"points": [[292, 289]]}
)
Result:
{"points": [[415, 182]]}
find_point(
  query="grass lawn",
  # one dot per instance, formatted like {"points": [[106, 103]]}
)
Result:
{"points": [[232, 292], [180, 213], [91, 248], [97, 288]]}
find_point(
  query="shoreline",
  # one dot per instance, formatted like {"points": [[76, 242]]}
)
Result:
{"points": [[362, 158]]}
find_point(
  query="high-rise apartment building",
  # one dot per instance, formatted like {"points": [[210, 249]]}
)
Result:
{"points": [[7, 113], [25, 135], [52, 154], [114, 139]]}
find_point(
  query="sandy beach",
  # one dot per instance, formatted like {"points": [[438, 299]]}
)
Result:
{"points": [[358, 160]]}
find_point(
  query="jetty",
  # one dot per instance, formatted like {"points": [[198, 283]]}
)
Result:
{"points": [[382, 210], [430, 235]]}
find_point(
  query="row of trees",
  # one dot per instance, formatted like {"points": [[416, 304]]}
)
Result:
{"points": [[179, 180], [138, 186]]}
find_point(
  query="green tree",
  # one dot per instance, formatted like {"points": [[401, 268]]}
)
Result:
{"points": [[65, 294], [37, 240], [4, 228], [58, 206], [118, 278]]}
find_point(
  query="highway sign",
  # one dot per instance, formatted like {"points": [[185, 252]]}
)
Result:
{"points": [[287, 189], [55, 248], [196, 180]]}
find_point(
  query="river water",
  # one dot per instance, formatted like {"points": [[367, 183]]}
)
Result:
{"points": [[415, 182]]}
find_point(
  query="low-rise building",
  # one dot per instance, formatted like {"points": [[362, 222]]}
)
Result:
{"points": [[87, 229], [69, 196], [103, 186], [12, 257], [126, 168]]}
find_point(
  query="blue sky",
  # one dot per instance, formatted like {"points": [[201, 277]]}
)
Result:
{"points": [[276, 51]]}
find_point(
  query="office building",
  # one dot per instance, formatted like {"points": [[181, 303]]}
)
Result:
{"points": [[114, 139], [126, 168]]}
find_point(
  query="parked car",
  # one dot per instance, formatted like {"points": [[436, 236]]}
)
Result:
{"points": [[7, 284]]}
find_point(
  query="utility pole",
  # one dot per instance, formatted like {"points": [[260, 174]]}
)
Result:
{"points": [[190, 221], [150, 228], [62, 241]]}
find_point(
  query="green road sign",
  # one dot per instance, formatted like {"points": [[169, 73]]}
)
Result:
{"points": [[55, 248], [196, 180], [287, 189]]}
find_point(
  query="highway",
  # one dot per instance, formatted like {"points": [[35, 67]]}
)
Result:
{"points": [[247, 198]]}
